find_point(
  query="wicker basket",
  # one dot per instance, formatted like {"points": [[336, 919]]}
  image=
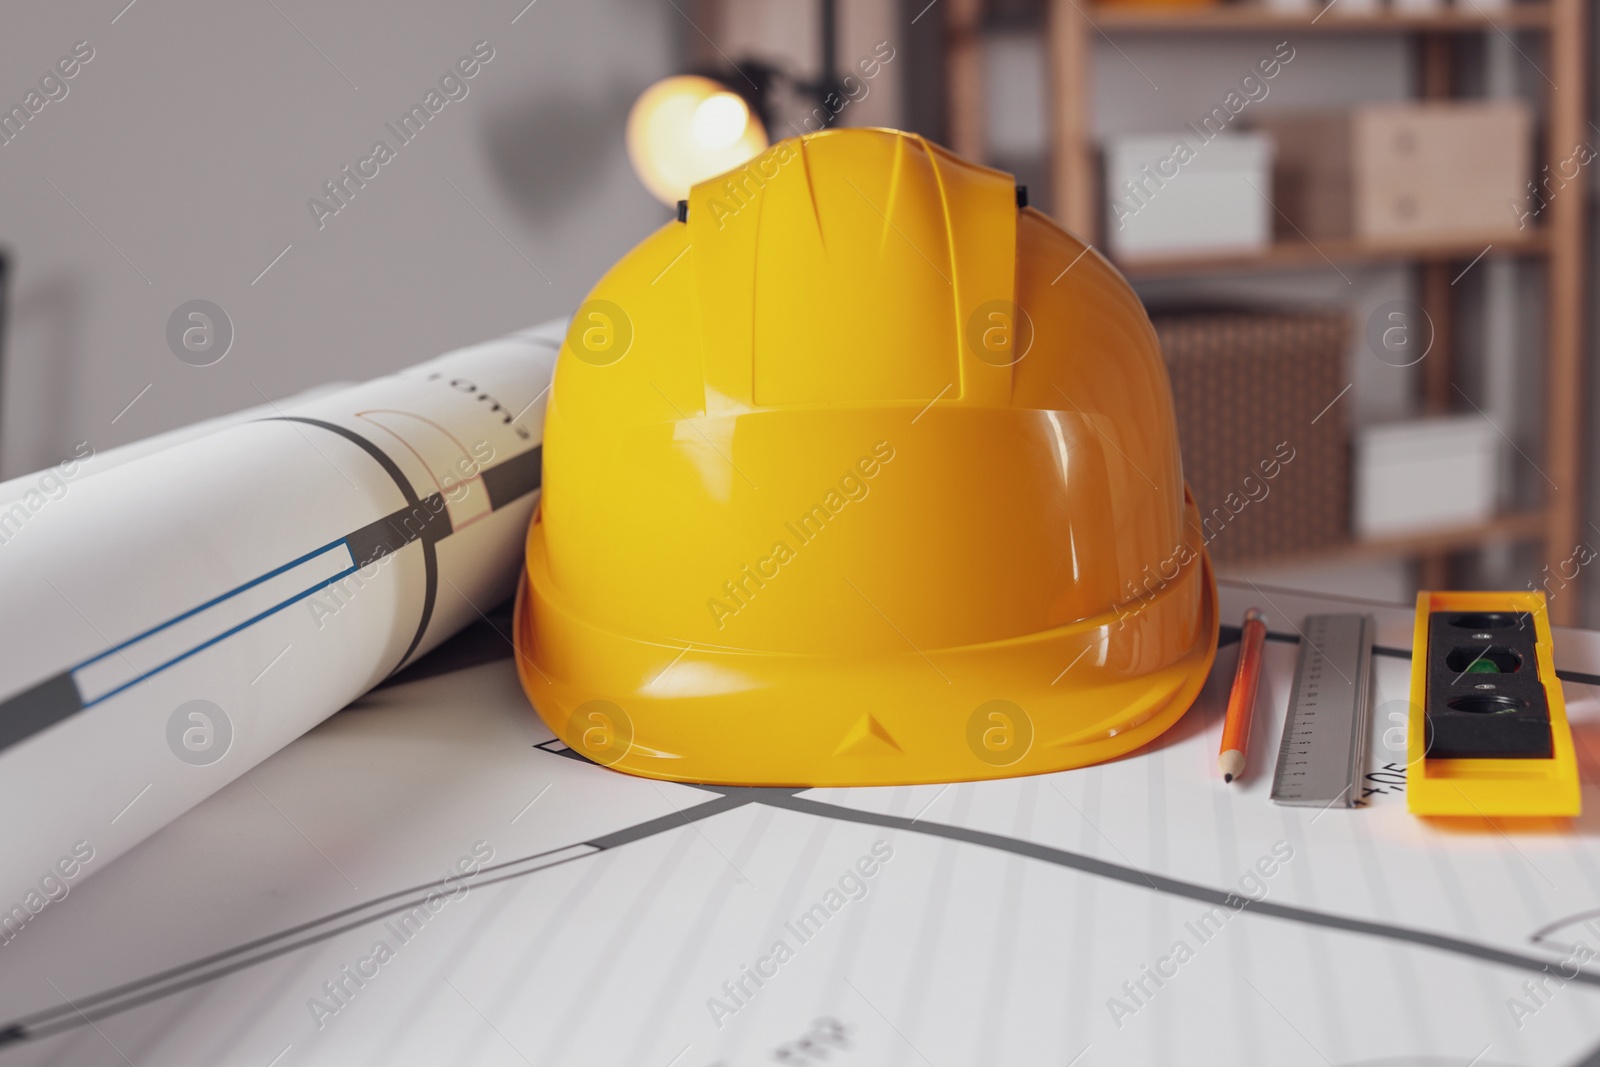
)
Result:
{"points": [[1266, 456]]}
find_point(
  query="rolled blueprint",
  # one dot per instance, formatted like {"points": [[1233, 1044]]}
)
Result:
{"points": [[175, 619], [32, 491]]}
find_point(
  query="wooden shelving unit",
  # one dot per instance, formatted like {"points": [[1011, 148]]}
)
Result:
{"points": [[1504, 529], [1071, 28], [1241, 18], [1327, 253]]}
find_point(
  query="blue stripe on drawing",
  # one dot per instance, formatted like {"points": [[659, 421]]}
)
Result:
{"points": [[225, 634], [136, 638]]}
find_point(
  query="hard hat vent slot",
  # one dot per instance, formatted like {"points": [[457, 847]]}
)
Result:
{"points": [[854, 289]]}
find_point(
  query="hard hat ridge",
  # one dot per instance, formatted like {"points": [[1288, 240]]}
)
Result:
{"points": [[903, 448]]}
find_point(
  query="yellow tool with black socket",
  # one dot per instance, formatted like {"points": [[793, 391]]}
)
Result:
{"points": [[1488, 732]]}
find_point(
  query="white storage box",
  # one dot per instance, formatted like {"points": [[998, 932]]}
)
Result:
{"points": [[1425, 474], [1182, 193]]}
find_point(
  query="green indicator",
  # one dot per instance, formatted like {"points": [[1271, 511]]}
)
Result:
{"points": [[1482, 666]]}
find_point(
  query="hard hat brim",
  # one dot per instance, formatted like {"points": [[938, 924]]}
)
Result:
{"points": [[1067, 697]]}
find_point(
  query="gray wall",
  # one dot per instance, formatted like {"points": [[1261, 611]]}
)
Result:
{"points": [[180, 162]]}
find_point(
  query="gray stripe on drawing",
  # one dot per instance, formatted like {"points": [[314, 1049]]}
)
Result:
{"points": [[697, 937], [513, 479], [185, 976], [430, 562], [587, 992], [36, 709], [1162, 884], [131, 995], [425, 519]]}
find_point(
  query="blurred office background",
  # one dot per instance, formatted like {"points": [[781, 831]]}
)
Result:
{"points": [[1359, 254]]}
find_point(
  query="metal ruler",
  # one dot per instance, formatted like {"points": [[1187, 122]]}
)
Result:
{"points": [[1324, 736]]}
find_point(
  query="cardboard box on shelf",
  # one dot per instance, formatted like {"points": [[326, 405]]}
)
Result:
{"points": [[1425, 474], [1175, 193], [1157, 3], [1359, 9], [1402, 171]]}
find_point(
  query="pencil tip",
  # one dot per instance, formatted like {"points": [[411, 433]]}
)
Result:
{"points": [[1227, 777]]}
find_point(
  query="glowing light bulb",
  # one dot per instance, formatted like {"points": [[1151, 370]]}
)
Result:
{"points": [[685, 129], [720, 120]]}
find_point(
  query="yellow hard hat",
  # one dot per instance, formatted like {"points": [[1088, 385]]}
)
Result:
{"points": [[862, 475]]}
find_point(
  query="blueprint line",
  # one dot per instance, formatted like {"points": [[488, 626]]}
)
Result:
{"points": [[198, 972], [1174, 887]]}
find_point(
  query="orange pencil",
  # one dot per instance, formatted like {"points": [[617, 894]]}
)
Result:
{"points": [[1242, 700]]}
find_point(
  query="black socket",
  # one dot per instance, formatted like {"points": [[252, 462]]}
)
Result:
{"points": [[1485, 697]]}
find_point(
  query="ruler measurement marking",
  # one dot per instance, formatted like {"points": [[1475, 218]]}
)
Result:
{"points": [[1320, 751]]}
